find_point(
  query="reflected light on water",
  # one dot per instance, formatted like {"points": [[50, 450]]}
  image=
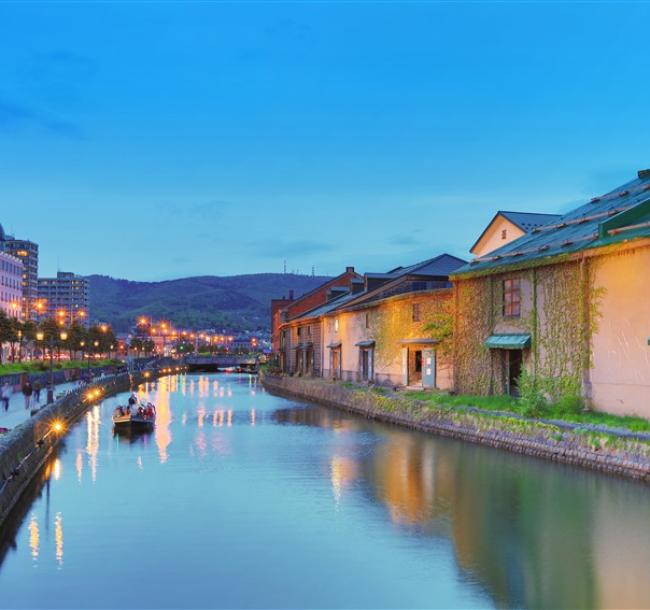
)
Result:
{"points": [[342, 472], [163, 434], [79, 464], [34, 537], [56, 469], [92, 444], [58, 538], [253, 417], [201, 444]]}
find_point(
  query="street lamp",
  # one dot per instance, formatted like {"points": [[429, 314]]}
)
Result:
{"points": [[40, 336]]}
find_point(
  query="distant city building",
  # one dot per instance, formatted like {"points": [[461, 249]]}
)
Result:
{"points": [[64, 297], [11, 285], [27, 252]]}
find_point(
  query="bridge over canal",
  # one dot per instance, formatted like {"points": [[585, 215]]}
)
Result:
{"points": [[204, 362]]}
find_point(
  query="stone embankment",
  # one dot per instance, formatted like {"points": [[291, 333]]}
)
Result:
{"points": [[25, 449], [577, 445]]}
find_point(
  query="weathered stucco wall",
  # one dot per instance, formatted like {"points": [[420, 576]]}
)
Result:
{"points": [[620, 377], [390, 322]]}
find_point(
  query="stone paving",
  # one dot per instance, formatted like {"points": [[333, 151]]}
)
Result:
{"points": [[17, 413]]}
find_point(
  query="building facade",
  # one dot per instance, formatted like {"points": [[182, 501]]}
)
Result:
{"points": [[287, 309], [383, 335], [64, 298], [566, 305], [11, 286], [375, 329], [27, 252]]}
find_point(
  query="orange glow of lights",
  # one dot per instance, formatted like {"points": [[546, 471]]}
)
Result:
{"points": [[57, 426]]}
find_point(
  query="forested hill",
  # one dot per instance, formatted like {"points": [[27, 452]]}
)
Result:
{"points": [[239, 302]]}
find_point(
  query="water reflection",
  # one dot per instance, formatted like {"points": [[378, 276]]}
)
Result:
{"points": [[271, 491], [163, 434], [34, 537], [58, 537], [93, 418], [534, 536]]}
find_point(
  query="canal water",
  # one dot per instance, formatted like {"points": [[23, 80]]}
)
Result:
{"points": [[240, 499]]}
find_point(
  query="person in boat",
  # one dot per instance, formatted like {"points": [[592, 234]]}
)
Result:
{"points": [[133, 400], [149, 411]]}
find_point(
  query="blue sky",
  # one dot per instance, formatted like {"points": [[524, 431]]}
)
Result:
{"points": [[157, 140]]}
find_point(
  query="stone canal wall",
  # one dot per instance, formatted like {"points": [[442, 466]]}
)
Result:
{"points": [[24, 450], [626, 454]]}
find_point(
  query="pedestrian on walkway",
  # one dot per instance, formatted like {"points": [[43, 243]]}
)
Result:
{"points": [[37, 391], [5, 395], [27, 393]]}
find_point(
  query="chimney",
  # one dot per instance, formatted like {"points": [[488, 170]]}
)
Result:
{"points": [[291, 295], [644, 173], [349, 269]]}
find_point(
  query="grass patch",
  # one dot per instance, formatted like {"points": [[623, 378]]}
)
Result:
{"points": [[515, 405], [39, 366]]}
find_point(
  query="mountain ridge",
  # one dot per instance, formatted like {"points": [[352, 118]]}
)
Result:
{"points": [[235, 302]]}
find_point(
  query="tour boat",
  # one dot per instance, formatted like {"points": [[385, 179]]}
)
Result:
{"points": [[140, 417]]}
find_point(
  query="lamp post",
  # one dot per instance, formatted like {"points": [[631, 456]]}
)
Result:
{"points": [[95, 345], [40, 336], [82, 344]]}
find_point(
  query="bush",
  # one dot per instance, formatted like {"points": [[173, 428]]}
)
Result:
{"points": [[570, 404], [533, 400]]}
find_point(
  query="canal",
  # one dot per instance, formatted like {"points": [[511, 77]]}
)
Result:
{"points": [[240, 499]]}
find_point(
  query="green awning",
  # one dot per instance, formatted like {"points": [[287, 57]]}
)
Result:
{"points": [[508, 341]]}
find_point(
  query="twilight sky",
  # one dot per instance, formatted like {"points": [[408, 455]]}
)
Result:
{"points": [[158, 140]]}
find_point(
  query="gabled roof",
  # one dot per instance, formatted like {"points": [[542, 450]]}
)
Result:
{"points": [[526, 221], [436, 268], [443, 264], [326, 307], [600, 222]]}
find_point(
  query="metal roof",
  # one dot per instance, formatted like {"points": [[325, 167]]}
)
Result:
{"points": [[600, 222], [527, 221], [443, 264]]}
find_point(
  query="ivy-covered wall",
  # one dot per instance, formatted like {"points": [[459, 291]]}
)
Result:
{"points": [[559, 309]]}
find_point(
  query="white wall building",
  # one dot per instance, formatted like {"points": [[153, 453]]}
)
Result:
{"points": [[11, 289]]}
